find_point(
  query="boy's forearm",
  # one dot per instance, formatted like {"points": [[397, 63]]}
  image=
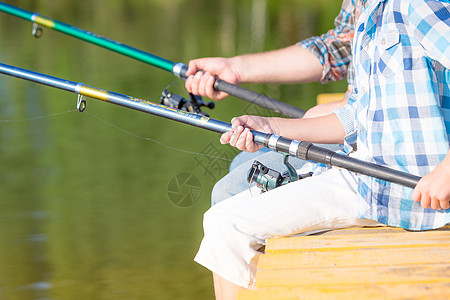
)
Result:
{"points": [[293, 64], [325, 108], [325, 130]]}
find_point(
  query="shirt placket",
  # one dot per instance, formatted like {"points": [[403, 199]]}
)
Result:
{"points": [[364, 66]]}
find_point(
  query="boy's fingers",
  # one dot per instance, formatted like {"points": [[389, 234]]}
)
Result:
{"points": [[241, 141], [235, 136], [425, 201], [194, 83], [235, 122], [225, 138], [188, 83], [435, 203], [193, 67], [445, 204], [249, 144], [203, 82], [416, 195], [209, 84]]}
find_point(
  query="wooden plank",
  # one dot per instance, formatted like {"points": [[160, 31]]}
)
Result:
{"points": [[267, 294], [355, 241], [329, 97], [369, 263], [373, 275], [357, 257], [370, 230], [383, 291], [365, 230]]}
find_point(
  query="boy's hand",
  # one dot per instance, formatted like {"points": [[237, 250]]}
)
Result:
{"points": [[433, 190], [240, 135], [201, 74]]}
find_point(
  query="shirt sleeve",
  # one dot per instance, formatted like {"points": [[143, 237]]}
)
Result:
{"points": [[430, 20], [347, 114], [347, 117], [333, 48]]}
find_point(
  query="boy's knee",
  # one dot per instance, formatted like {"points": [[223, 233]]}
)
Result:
{"points": [[230, 185], [219, 193], [216, 223]]}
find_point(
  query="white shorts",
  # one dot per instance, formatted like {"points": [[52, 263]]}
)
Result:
{"points": [[236, 228]]}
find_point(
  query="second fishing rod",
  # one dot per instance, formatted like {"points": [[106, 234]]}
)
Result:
{"points": [[302, 150], [178, 69]]}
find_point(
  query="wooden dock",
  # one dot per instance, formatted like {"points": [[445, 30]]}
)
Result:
{"points": [[364, 263]]}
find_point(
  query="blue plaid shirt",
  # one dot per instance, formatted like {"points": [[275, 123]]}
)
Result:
{"points": [[399, 113], [333, 48]]}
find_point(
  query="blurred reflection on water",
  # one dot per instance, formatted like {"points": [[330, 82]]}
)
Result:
{"points": [[85, 211]]}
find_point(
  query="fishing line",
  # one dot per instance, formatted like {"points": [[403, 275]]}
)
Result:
{"points": [[38, 117], [118, 128], [153, 140], [250, 185]]}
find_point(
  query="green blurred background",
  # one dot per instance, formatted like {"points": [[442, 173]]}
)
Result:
{"points": [[84, 207]]}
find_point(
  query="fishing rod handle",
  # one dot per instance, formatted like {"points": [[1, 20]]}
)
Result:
{"points": [[180, 69], [352, 164], [259, 99], [308, 151]]}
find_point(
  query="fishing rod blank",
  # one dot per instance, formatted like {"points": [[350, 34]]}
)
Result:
{"points": [[302, 150], [178, 69]]}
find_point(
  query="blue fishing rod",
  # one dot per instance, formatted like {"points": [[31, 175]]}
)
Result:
{"points": [[302, 150]]}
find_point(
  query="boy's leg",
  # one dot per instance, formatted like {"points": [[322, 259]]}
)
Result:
{"points": [[235, 229], [243, 157], [236, 180], [224, 289]]}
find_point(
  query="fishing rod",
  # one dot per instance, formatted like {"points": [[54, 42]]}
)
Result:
{"points": [[302, 150], [178, 69]]}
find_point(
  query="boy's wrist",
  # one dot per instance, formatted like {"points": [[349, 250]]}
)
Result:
{"points": [[238, 65]]}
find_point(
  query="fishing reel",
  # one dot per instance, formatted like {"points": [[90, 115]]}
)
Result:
{"points": [[193, 105], [268, 179]]}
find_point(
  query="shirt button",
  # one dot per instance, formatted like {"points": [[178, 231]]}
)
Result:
{"points": [[383, 42], [364, 90]]}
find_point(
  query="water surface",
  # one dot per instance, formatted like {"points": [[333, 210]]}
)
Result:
{"points": [[86, 210]]}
